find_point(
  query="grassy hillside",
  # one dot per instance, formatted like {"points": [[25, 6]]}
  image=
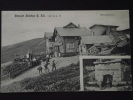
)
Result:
{"points": [[20, 49], [63, 79]]}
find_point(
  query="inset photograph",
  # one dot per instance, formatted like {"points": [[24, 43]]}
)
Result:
{"points": [[106, 74]]}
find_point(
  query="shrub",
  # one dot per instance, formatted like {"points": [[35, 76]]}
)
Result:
{"points": [[64, 79]]}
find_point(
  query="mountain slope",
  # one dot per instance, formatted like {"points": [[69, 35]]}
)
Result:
{"points": [[10, 52], [62, 79], [33, 72]]}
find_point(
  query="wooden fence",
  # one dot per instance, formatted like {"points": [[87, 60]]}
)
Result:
{"points": [[19, 67]]}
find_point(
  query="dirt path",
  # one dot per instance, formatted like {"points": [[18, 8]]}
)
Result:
{"points": [[61, 62]]}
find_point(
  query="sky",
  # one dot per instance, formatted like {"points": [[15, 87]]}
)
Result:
{"points": [[18, 29]]}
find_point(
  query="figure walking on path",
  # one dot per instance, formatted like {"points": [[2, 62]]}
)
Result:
{"points": [[54, 65], [46, 67], [42, 63], [34, 61], [47, 58], [40, 69]]}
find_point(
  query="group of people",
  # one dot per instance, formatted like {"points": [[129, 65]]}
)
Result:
{"points": [[44, 64], [32, 60], [29, 56]]}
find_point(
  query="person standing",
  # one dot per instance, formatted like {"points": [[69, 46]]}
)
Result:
{"points": [[47, 58], [54, 65], [40, 69], [34, 61], [46, 67], [31, 55], [42, 63], [28, 56]]}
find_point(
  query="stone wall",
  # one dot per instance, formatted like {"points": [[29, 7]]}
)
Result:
{"points": [[109, 68]]}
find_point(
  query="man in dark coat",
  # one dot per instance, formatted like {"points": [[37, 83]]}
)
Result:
{"points": [[53, 65], [46, 66], [39, 69]]}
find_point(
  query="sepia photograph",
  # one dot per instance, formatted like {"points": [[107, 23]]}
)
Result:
{"points": [[40, 50], [108, 73]]}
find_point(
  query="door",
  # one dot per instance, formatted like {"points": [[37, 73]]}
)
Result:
{"points": [[107, 80]]}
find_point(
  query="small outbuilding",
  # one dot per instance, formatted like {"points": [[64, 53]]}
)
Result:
{"points": [[93, 45], [111, 68]]}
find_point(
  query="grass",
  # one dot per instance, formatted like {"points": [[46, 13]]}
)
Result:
{"points": [[63, 79], [9, 53]]}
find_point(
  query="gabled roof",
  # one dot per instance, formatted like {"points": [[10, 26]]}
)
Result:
{"points": [[70, 25], [96, 39], [103, 25], [72, 31], [48, 34]]}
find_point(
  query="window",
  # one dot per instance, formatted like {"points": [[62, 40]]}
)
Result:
{"points": [[67, 45], [70, 45]]}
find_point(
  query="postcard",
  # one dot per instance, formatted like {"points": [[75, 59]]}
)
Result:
{"points": [[41, 51]]}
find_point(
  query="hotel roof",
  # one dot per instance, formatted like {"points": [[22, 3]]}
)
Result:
{"points": [[96, 39], [72, 30]]}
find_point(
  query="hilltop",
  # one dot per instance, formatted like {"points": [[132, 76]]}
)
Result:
{"points": [[8, 53]]}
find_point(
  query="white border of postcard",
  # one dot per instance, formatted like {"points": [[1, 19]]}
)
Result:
{"points": [[94, 57]]}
